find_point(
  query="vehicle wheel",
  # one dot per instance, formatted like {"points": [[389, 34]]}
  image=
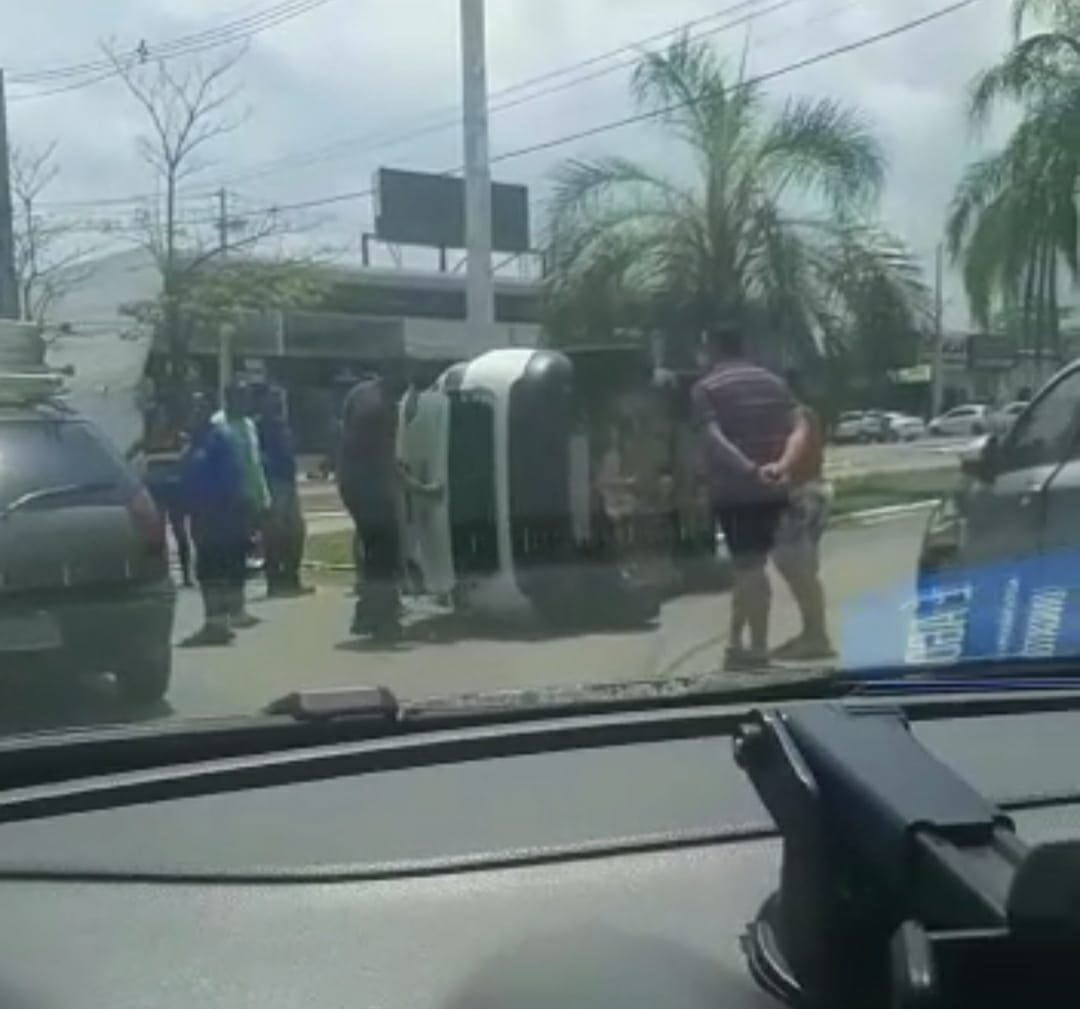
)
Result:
{"points": [[978, 429], [143, 676]]}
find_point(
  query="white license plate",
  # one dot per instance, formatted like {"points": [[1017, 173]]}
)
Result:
{"points": [[29, 632]]}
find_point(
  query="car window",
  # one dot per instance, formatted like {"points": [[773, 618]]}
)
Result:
{"points": [[1042, 436], [39, 455]]}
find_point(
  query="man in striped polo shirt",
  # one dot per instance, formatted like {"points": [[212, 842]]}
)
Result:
{"points": [[744, 415]]}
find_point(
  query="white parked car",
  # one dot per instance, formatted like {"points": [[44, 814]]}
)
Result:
{"points": [[967, 420], [904, 427], [850, 427]]}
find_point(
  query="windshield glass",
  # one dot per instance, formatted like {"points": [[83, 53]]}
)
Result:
{"points": [[458, 348]]}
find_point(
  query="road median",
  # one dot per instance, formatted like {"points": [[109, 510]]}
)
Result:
{"points": [[874, 492], [865, 497]]}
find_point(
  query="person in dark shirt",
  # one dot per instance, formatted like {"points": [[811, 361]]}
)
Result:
{"points": [[744, 415], [367, 486], [213, 487], [162, 451], [369, 481], [284, 531]]}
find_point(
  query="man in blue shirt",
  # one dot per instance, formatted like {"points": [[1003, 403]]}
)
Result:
{"points": [[284, 530], [214, 493]]}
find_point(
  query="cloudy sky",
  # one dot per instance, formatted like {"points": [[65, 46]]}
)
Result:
{"points": [[328, 87]]}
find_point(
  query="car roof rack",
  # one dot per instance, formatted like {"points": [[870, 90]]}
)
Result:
{"points": [[900, 884]]}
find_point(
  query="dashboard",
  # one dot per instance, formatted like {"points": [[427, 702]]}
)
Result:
{"points": [[596, 875]]}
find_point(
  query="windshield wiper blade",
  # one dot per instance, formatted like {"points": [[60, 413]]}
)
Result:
{"points": [[378, 703], [637, 695], [48, 493]]}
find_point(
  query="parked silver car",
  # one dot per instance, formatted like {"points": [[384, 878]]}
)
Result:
{"points": [[850, 427], [904, 427], [966, 420]]}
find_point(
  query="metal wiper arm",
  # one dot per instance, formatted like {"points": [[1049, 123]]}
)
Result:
{"points": [[46, 493]]}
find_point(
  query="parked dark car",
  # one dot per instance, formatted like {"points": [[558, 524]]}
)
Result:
{"points": [[84, 577], [1000, 561]]}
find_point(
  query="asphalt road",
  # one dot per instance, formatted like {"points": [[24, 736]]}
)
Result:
{"points": [[305, 643]]}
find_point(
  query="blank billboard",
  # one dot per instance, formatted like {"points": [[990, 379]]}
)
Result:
{"points": [[417, 208]]}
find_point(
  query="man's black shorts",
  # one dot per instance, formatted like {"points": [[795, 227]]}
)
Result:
{"points": [[221, 561], [749, 529]]}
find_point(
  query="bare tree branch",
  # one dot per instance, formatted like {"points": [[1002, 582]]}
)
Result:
{"points": [[187, 110], [188, 107], [46, 259]]}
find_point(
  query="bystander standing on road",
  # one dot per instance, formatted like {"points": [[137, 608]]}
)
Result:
{"points": [[284, 531], [371, 481], [798, 537], [161, 450], [212, 482], [367, 483], [744, 415], [245, 438], [616, 488]]}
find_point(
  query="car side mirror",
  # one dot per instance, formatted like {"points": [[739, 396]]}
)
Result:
{"points": [[981, 458]]}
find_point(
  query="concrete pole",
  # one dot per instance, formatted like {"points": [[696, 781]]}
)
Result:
{"points": [[225, 330], [480, 290], [9, 288]]}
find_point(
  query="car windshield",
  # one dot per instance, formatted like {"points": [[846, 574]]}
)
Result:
{"points": [[511, 349]]}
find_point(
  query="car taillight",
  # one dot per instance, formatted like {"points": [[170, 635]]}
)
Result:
{"points": [[148, 521]]}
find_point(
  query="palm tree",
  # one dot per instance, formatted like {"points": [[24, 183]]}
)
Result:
{"points": [[771, 230], [1013, 223]]}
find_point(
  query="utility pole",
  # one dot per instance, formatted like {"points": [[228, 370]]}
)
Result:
{"points": [[937, 373], [223, 220], [480, 285], [225, 331], [9, 289]]}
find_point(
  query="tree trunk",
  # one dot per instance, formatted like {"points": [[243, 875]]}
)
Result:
{"points": [[1029, 338], [176, 386], [1052, 306]]}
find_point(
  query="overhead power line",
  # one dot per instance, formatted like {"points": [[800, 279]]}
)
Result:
{"points": [[621, 123], [450, 116], [80, 75], [763, 78], [356, 147], [642, 117], [372, 142]]}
